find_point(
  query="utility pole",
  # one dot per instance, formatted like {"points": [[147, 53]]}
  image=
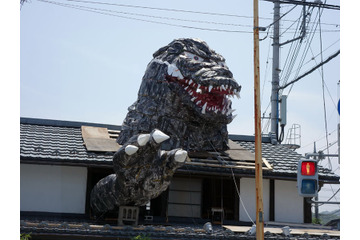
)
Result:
{"points": [[275, 71], [258, 155]]}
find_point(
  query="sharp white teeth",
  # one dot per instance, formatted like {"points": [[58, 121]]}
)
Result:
{"points": [[237, 95], [159, 136], [210, 87], [143, 139], [186, 87], [198, 102], [193, 99], [180, 156], [222, 86], [131, 149], [203, 108], [190, 82], [233, 116]]}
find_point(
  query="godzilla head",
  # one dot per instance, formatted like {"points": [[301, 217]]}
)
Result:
{"points": [[197, 73]]}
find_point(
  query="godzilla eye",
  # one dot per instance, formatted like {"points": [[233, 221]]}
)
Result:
{"points": [[194, 57]]}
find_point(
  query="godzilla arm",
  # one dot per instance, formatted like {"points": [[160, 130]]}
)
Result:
{"points": [[142, 172]]}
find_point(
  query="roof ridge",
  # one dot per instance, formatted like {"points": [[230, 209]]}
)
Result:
{"points": [[64, 123]]}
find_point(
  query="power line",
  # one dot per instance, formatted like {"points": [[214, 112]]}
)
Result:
{"points": [[100, 11], [162, 9], [310, 71], [121, 15], [311, 4], [178, 10], [323, 93], [161, 17], [234, 179]]}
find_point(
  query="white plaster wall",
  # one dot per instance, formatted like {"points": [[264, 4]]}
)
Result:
{"points": [[248, 196], [289, 206], [47, 188]]}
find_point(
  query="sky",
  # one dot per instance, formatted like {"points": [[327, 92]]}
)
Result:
{"points": [[81, 61]]}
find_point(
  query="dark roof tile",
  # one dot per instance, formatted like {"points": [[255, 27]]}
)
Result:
{"points": [[51, 141]]}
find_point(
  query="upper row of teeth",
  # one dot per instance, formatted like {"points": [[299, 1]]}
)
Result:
{"points": [[210, 88], [175, 72]]}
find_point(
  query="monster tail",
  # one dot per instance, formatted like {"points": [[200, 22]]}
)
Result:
{"points": [[105, 195]]}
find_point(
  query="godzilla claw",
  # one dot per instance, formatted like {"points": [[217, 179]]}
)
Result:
{"points": [[159, 136], [143, 139], [131, 149], [180, 156]]}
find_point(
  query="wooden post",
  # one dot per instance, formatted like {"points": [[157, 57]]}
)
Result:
{"points": [[258, 155]]}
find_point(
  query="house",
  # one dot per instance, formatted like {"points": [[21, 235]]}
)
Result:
{"points": [[58, 172]]}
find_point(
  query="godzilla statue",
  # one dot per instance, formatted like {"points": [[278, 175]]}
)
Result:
{"points": [[183, 105]]}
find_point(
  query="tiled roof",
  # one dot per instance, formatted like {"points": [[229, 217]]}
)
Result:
{"points": [[61, 142], [49, 141], [68, 230], [283, 159]]}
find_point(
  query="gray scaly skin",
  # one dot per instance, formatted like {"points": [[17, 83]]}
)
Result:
{"points": [[184, 101]]}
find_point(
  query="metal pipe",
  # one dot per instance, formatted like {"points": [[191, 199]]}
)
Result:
{"points": [[320, 202]]}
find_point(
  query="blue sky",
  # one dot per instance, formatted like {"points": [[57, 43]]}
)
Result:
{"points": [[84, 66]]}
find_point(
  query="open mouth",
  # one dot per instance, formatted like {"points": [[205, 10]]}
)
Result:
{"points": [[209, 98]]}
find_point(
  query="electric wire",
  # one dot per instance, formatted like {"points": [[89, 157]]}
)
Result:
{"points": [[321, 76], [116, 14], [314, 57], [161, 17], [303, 56], [319, 139], [334, 195], [323, 91], [143, 20], [234, 179], [310, 71], [182, 10], [163, 9], [281, 17], [295, 50], [290, 58]]}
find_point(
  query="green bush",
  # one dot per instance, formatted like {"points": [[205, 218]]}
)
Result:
{"points": [[25, 236], [316, 221], [141, 237]]}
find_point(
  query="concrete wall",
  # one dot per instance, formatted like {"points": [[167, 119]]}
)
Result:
{"points": [[248, 196], [47, 188], [289, 206]]}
